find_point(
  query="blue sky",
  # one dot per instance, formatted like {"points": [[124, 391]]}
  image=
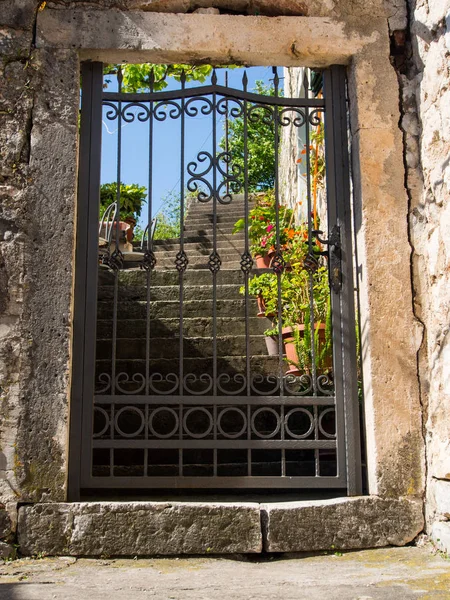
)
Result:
{"points": [[166, 144]]}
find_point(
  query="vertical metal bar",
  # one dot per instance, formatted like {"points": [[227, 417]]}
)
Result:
{"points": [[181, 271], [227, 146], [117, 248], [85, 305], [310, 244], [246, 241], [336, 81], [149, 240], [276, 82], [330, 143], [214, 199]]}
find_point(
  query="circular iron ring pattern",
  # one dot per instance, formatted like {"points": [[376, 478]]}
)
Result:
{"points": [[190, 412], [102, 411], [298, 436], [159, 410], [231, 436], [131, 409], [268, 410], [321, 429]]}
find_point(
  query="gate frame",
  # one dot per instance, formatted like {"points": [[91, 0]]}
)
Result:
{"points": [[348, 448], [395, 454]]}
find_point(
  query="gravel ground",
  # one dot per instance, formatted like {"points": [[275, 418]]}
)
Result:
{"points": [[387, 573]]}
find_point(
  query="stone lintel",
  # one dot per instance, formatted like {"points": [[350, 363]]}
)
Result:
{"points": [[139, 528], [115, 36], [175, 528], [343, 523]]}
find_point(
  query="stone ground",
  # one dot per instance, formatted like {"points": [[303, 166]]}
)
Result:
{"points": [[386, 573]]}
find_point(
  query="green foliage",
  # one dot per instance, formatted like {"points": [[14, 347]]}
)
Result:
{"points": [[260, 146], [262, 224], [168, 224], [132, 198], [136, 78]]}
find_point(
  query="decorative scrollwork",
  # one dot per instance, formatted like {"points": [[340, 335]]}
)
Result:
{"points": [[114, 260], [230, 106], [246, 262], [315, 117], [325, 384], [298, 385], [149, 261], [202, 380], [269, 384], [168, 383], [261, 112], [104, 380], [112, 114], [297, 119], [239, 379], [302, 431], [214, 262], [192, 111], [181, 261], [232, 433], [161, 110], [123, 414], [330, 415], [278, 264], [311, 262], [268, 412], [130, 385], [100, 413], [129, 116], [199, 177]]}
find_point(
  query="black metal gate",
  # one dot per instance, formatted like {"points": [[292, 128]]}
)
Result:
{"points": [[172, 387]]}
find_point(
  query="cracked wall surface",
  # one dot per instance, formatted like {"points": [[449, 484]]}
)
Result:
{"points": [[426, 125], [38, 112]]}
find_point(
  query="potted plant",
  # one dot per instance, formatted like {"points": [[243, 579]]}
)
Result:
{"points": [[132, 199], [262, 228]]}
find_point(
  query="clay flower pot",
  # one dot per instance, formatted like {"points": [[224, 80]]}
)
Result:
{"points": [[262, 262], [291, 351]]}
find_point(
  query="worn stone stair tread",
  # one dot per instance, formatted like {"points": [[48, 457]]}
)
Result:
{"points": [[192, 327], [170, 292]]}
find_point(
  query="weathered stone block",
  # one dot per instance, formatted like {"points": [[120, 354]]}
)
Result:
{"points": [[144, 528], [442, 496], [7, 551], [344, 523], [5, 524], [440, 534]]}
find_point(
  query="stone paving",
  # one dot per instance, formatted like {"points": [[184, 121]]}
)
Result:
{"points": [[388, 573]]}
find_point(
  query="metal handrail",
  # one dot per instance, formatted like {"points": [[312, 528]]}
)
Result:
{"points": [[108, 221], [152, 233]]}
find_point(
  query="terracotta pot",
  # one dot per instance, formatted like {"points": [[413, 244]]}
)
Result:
{"points": [[261, 306], [262, 262], [291, 351]]}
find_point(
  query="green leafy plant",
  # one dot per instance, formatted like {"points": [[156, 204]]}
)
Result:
{"points": [[132, 198], [137, 78], [262, 224], [260, 145]]}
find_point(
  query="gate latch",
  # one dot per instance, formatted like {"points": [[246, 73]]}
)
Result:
{"points": [[334, 256]]}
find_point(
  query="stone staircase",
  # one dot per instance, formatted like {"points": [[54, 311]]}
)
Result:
{"points": [[197, 307]]}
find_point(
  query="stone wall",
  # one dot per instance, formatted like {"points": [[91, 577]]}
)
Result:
{"points": [[37, 208], [426, 123]]}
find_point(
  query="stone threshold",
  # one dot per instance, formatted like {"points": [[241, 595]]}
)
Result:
{"points": [[149, 528]]}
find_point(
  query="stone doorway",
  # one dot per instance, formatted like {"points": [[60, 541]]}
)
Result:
{"points": [[187, 390]]}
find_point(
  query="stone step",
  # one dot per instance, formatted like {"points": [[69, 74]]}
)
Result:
{"points": [[170, 309], [198, 256], [207, 220], [195, 239], [200, 347], [192, 327], [170, 292], [163, 278], [205, 247], [196, 264], [230, 365]]}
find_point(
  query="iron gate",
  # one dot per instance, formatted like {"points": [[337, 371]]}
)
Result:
{"points": [[171, 385]]}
